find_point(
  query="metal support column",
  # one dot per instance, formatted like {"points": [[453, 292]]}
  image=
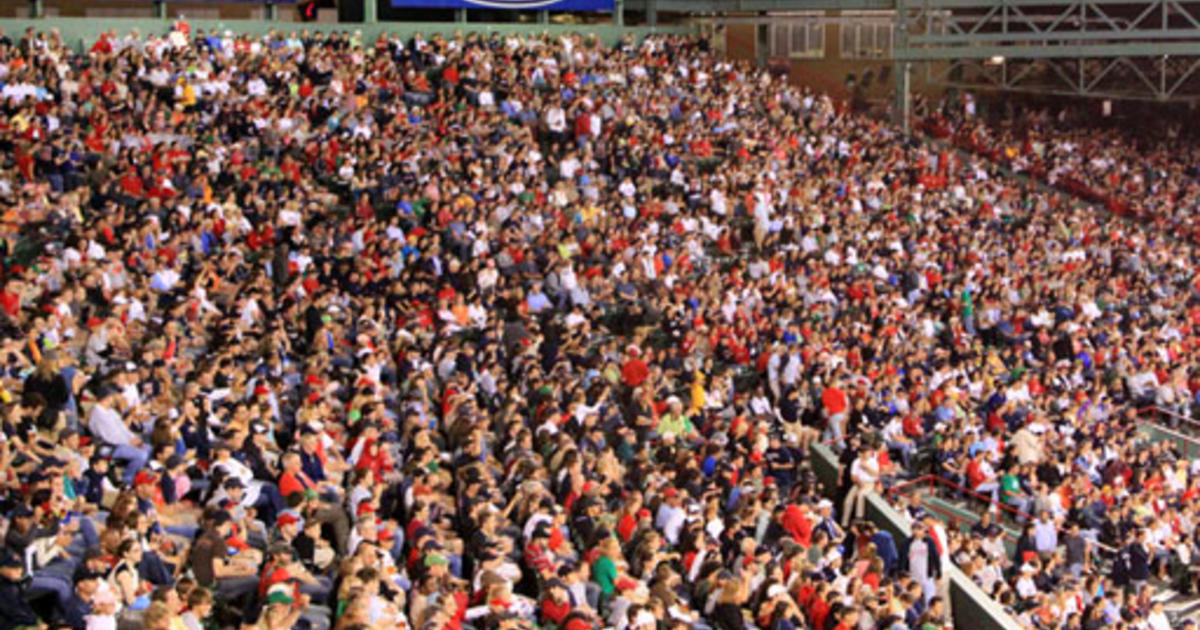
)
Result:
{"points": [[762, 43], [543, 17], [1162, 77], [901, 70], [460, 16], [903, 105], [652, 12], [272, 13], [160, 9], [619, 12], [35, 9], [370, 14]]}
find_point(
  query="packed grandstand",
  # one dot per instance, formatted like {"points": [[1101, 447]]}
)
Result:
{"points": [[487, 332]]}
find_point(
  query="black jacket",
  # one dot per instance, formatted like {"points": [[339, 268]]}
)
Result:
{"points": [[935, 558], [74, 612], [1139, 562], [14, 610]]}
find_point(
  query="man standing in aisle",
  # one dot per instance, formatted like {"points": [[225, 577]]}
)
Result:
{"points": [[924, 561]]}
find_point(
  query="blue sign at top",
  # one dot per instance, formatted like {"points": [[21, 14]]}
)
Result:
{"points": [[554, 5]]}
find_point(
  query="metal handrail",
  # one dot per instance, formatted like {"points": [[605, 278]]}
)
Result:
{"points": [[935, 479], [932, 479], [1155, 409]]}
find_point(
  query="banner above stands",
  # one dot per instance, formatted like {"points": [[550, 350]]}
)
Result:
{"points": [[511, 5]]}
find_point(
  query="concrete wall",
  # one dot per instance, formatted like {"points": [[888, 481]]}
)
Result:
{"points": [[973, 608], [825, 466], [79, 30]]}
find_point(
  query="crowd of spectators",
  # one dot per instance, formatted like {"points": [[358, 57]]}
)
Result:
{"points": [[1146, 171], [1112, 504], [480, 332]]}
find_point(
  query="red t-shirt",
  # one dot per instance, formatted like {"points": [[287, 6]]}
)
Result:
{"points": [[462, 601], [798, 526], [271, 577], [626, 526], [635, 372], [834, 400], [818, 612], [913, 426], [11, 302], [554, 612], [975, 474], [872, 579], [289, 483]]}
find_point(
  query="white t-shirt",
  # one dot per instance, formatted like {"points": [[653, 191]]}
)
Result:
{"points": [[864, 472]]}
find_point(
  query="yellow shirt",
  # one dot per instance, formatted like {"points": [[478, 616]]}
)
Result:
{"points": [[189, 95], [20, 123], [464, 201], [698, 395]]}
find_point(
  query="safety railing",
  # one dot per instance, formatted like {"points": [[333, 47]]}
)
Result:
{"points": [[933, 481], [1182, 430], [1176, 418]]}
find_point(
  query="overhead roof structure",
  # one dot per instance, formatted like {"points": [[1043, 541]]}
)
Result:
{"points": [[1098, 48], [758, 6], [1126, 49], [1121, 49]]}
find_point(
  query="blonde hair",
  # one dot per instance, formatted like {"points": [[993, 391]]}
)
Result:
{"points": [[157, 616]]}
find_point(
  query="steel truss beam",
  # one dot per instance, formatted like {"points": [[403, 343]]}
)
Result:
{"points": [[1049, 50], [979, 29], [1144, 78], [756, 6], [1102, 48]]}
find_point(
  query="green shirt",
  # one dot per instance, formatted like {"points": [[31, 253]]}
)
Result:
{"points": [[676, 425], [1010, 486], [612, 375], [604, 572]]}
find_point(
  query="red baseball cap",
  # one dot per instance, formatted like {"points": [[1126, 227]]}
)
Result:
{"points": [[579, 623], [626, 584], [145, 478]]}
